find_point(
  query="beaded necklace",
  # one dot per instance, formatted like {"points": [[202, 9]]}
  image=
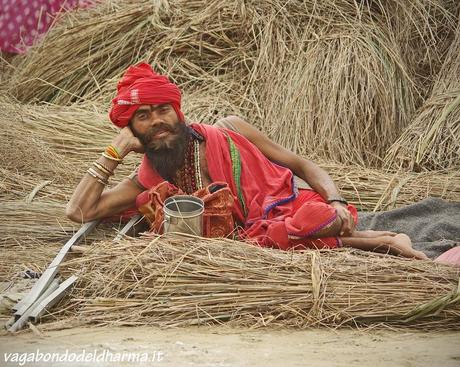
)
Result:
{"points": [[188, 177]]}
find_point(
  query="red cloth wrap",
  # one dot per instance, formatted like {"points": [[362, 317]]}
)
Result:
{"points": [[277, 214], [140, 85]]}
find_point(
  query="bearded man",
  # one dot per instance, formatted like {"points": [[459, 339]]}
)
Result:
{"points": [[266, 202]]}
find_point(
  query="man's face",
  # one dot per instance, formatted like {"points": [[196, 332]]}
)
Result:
{"points": [[156, 126], [164, 137]]}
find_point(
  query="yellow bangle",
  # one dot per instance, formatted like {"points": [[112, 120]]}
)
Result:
{"points": [[112, 151], [105, 155]]}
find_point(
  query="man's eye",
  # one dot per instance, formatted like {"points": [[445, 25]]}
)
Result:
{"points": [[142, 116]]}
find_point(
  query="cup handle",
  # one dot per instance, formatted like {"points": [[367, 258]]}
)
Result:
{"points": [[162, 225]]}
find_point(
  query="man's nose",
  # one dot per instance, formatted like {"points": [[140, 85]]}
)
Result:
{"points": [[155, 118]]}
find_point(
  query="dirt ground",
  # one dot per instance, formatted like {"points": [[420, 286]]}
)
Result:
{"points": [[222, 346]]}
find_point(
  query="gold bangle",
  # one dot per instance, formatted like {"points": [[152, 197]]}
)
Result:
{"points": [[103, 168], [105, 155], [103, 180]]}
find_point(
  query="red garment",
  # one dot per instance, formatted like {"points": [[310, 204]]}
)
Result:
{"points": [[277, 215], [140, 85], [23, 22]]}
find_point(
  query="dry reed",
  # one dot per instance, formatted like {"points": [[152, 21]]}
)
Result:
{"points": [[169, 281]]}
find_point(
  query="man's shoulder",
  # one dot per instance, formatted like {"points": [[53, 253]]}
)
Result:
{"points": [[227, 123]]}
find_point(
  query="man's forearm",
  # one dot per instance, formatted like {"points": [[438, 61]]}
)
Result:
{"points": [[82, 206], [319, 180], [88, 202]]}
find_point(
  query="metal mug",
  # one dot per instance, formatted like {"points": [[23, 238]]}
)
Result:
{"points": [[183, 214]]}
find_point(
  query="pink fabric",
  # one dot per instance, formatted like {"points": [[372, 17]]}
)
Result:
{"points": [[450, 257], [23, 22], [277, 215], [140, 85]]}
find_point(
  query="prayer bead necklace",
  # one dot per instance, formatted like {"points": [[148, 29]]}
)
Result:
{"points": [[188, 178]]}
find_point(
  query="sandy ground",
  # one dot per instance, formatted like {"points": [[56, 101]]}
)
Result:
{"points": [[221, 346]]}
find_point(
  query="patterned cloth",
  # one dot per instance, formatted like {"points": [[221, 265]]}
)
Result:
{"points": [[218, 204], [23, 22]]}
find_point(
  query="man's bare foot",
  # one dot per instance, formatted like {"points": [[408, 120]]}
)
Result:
{"points": [[372, 234], [401, 245]]}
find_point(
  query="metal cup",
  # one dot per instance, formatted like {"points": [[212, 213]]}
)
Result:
{"points": [[183, 214]]}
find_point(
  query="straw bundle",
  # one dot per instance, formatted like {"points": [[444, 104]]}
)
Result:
{"points": [[432, 140], [375, 190], [53, 142], [26, 254], [424, 30], [97, 45], [171, 282], [43, 221]]}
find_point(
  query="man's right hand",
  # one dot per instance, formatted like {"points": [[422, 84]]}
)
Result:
{"points": [[126, 142]]}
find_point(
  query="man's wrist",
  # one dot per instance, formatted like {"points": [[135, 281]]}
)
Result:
{"points": [[337, 199], [122, 147]]}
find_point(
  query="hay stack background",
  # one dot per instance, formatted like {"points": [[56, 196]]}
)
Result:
{"points": [[333, 80], [174, 282]]}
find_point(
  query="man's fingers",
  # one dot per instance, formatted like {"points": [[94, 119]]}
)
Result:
{"points": [[345, 230], [348, 224]]}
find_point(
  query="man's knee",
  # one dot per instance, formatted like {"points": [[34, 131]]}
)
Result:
{"points": [[330, 230]]}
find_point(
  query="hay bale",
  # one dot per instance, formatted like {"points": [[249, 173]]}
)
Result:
{"points": [[92, 48], [379, 190], [424, 30], [169, 281], [54, 142], [432, 140]]}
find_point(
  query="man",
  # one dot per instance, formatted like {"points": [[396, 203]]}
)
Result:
{"points": [[266, 201]]}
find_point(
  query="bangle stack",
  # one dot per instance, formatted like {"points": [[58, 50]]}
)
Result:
{"points": [[100, 178], [113, 154], [100, 171]]}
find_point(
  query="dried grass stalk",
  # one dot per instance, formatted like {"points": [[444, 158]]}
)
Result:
{"points": [[170, 281]]}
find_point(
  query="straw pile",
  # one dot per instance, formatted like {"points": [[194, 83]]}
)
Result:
{"points": [[168, 281], [301, 70], [432, 140]]}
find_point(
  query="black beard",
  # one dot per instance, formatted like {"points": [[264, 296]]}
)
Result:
{"points": [[167, 160]]}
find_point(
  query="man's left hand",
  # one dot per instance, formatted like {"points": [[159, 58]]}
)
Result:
{"points": [[348, 223]]}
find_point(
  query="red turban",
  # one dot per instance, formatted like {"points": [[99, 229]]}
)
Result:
{"points": [[141, 85]]}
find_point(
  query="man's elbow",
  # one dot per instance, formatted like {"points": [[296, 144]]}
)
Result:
{"points": [[75, 214]]}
